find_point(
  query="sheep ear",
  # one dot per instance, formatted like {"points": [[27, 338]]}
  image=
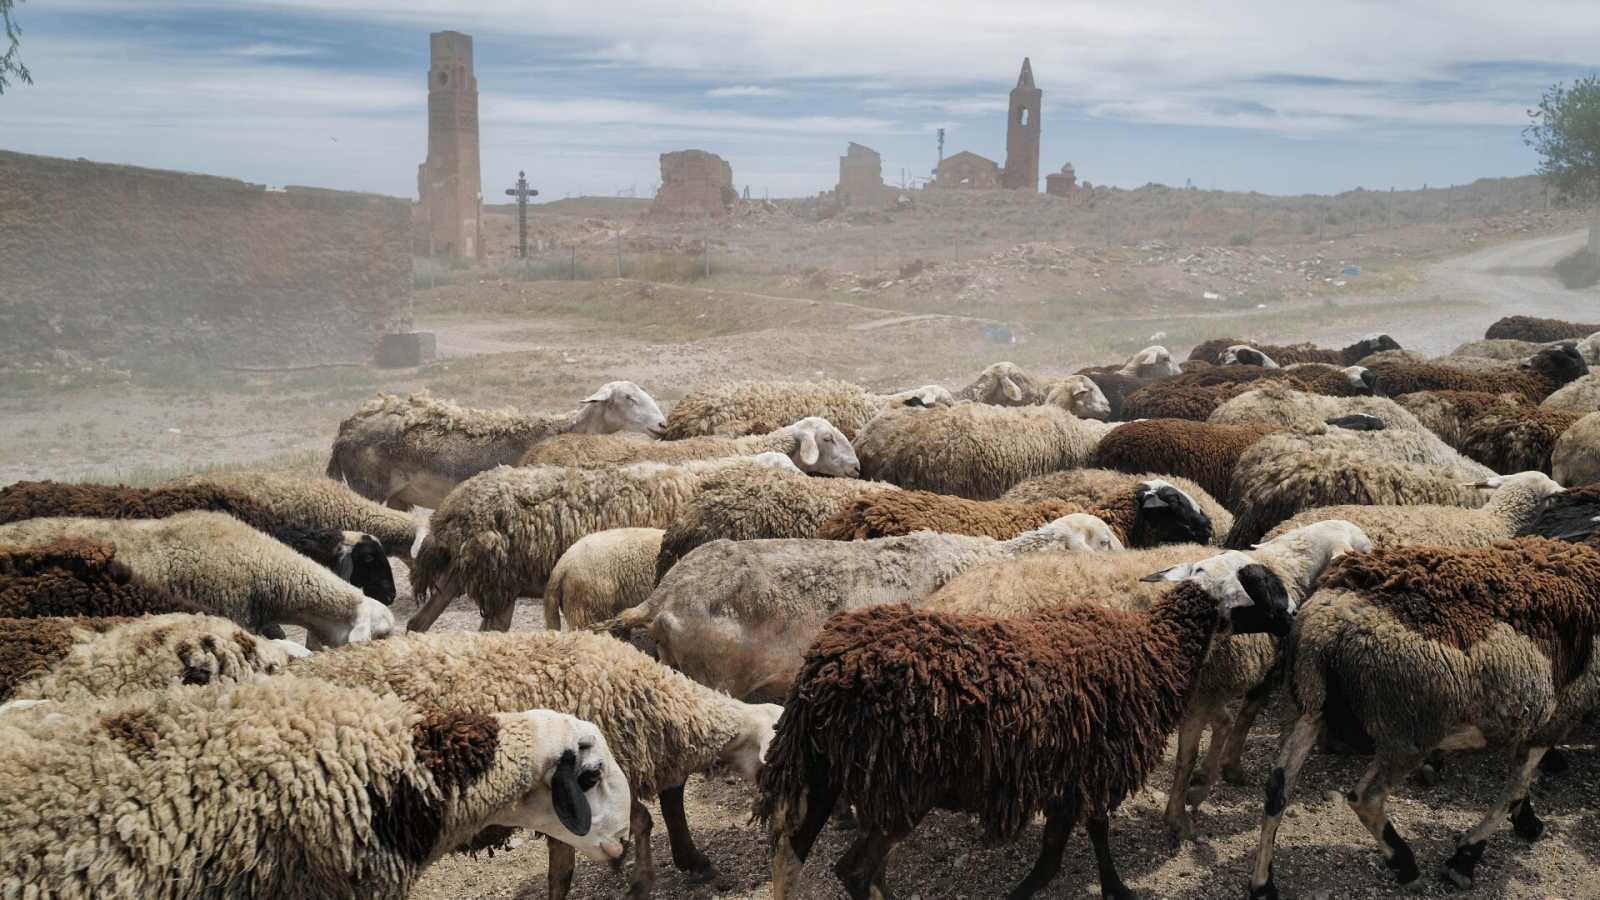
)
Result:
{"points": [[809, 452], [1175, 573], [599, 396], [1488, 484], [344, 565], [571, 806], [928, 397], [1012, 392], [1152, 500]]}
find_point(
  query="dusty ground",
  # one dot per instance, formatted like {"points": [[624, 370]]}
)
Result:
{"points": [[1050, 287]]}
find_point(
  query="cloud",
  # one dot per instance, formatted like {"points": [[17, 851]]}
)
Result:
{"points": [[267, 50], [746, 90]]}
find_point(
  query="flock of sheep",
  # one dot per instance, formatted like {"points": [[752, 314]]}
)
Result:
{"points": [[1002, 600]]}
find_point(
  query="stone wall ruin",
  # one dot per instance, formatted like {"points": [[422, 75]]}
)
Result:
{"points": [[694, 183]]}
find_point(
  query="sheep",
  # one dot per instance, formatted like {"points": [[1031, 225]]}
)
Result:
{"points": [[1575, 459], [74, 658], [1100, 488], [1081, 396], [1154, 361], [740, 408], [77, 578], [661, 726], [1517, 439], [410, 451], [1538, 377], [318, 502], [1153, 513], [1282, 403], [1200, 451], [283, 788], [737, 616], [1192, 395], [1004, 384], [900, 710], [1580, 395], [1275, 479], [1499, 348], [1449, 414], [227, 568], [748, 504], [1240, 669], [499, 534], [1573, 515], [974, 450], [601, 575], [1529, 328], [813, 444], [1246, 355], [358, 558], [1509, 666], [1115, 384], [1514, 504], [1212, 351]]}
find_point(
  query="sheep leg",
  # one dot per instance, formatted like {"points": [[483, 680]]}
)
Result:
{"points": [[1057, 828], [685, 855], [1280, 784], [1238, 733], [552, 611], [644, 872], [791, 850], [861, 867], [562, 860], [499, 619], [1201, 782], [438, 600], [1368, 802], [1513, 803], [1111, 886], [1179, 826]]}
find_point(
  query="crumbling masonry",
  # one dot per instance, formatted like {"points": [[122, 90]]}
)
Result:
{"points": [[448, 182]]}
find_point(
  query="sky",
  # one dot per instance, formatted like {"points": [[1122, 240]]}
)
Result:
{"points": [[1277, 96]]}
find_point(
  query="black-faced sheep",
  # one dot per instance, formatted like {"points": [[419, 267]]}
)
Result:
{"points": [[498, 536], [1515, 502], [78, 578], [1535, 380], [740, 408], [1105, 488], [227, 568], [900, 711], [72, 658], [357, 558], [601, 575], [812, 444], [1517, 439], [1573, 515], [662, 727], [1202, 452], [1212, 351], [411, 451], [283, 788], [974, 450], [1530, 328], [752, 504], [737, 616], [1575, 458], [1488, 646]]}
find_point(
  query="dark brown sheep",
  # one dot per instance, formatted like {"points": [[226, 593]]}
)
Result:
{"points": [[1539, 331], [73, 578], [30, 647], [1546, 371], [358, 560], [1449, 414], [1517, 438], [1287, 355], [900, 711], [1148, 516], [1196, 395], [1199, 451]]}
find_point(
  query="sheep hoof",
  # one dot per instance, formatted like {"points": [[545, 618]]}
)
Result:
{"points": [[1197, 795], [1526, 823], [1234, 774]]}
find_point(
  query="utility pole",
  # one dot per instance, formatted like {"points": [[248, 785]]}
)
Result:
{"points": [[522, 192], [941, 154]]}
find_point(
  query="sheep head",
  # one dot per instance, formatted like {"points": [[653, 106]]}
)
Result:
{"points": [[620, 406], [822, 449]]}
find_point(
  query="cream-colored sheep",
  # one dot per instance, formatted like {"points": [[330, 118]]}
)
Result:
{"points": [[601, 575], [811, 443]]}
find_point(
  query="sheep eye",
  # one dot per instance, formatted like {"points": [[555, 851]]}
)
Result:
{"points": [[827, 438]]}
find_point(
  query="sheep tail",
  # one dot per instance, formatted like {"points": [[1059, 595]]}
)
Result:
{"points": [[623, 625], [433, 560]]}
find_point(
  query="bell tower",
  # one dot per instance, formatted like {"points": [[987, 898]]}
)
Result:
{"points": [[1022, 134]]}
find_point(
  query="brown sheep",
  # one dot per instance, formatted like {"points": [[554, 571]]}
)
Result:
{"points": [[1539, 331], [1518, 438], [1211, 351], [77, 578], [1449, 414], [1544, 372], [1199, 451]]}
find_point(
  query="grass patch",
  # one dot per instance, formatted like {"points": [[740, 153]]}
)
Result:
{"points": [[303, 462]]}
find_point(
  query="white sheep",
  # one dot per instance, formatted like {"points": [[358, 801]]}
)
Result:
{"points": [[601, 575]]}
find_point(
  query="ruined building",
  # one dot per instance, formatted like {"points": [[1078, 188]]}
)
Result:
{"points": [[1062, 183], [861, 176], [448, 183], [1022, 134], [694, 182], [967, 170]]}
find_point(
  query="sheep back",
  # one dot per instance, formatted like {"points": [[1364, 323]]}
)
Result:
{"points": [[895, 513], [1537, 330], [1397, 379], [1448, 414], [603, 574], [77, 578], [1103, 489], [1575, 459], [1581, 395], [974, 450], [739, 408], [314, 502], [1201, 452], [1517, 439], [1038, 581]]}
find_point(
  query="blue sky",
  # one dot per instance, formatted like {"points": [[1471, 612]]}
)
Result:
{"points": [[1279, 96]]}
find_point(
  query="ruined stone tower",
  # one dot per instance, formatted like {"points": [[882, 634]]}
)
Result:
{"points": [[1022, 134], [448, 182]]}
